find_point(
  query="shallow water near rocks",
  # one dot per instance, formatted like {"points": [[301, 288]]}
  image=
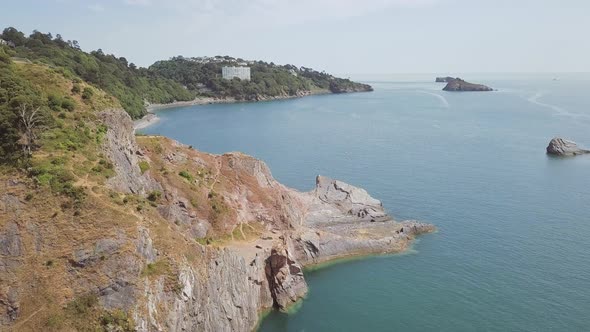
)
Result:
{"points": [[512, 248]]}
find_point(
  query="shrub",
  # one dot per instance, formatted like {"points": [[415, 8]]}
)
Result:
{"points": [[155, 269], [87, 93], [54, 102], [76, 89], [68, 104], [117, 320], [144, 166], [186, 175], [83, 304], [154, 196]]}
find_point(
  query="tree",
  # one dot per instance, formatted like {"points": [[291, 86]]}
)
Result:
{"points": [[15, 36], [30, 120]]}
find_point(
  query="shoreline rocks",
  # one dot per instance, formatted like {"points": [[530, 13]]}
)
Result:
{"points": [[564, 148]]}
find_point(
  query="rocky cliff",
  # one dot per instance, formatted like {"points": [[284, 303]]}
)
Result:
{"points": [[175, 240]]}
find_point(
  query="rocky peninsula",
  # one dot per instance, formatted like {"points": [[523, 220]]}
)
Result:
{"points": [[457, 84], [564, 148], [186, 240]]}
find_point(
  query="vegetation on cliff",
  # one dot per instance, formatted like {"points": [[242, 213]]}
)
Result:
{"points": [[177, 79], [268, 79], [131, 85]]}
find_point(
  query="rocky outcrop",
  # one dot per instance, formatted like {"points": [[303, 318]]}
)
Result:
{"points": [[565, 148], [334, 201], [457, 84], [349, 87], [285, 276], [121, 148], [224, 295], [444, 79]]}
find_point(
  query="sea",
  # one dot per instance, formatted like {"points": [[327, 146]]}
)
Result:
{"points": [[512, 250]]}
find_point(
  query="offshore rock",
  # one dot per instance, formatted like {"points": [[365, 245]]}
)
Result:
{"points": [[457, 84], [566, 148]]}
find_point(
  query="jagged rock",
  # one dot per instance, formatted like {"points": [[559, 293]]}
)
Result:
{"points": [[412, 227], [120, 146], [285, 276], [11, 204], [9, 299], [562, 147], [101, 250], [457, 84], [335, 201], [10, 241], [118, 295], [145, 247]]}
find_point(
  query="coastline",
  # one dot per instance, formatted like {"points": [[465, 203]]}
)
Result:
{"points": [[151, 118]]}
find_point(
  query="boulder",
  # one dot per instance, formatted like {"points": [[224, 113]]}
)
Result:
{"points": [[562, 147]]}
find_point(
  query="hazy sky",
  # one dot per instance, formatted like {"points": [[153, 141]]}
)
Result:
{"points": [[339, 36]]}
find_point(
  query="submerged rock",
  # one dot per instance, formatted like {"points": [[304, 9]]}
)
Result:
{"points": [[562, 147], [457, 84]]}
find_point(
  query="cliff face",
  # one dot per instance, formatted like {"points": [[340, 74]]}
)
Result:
{"points": [[177, 240]]}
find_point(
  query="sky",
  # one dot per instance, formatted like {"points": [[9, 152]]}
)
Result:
{"points": [[339, 36]]}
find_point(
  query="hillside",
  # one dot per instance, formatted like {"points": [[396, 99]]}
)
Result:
{"points": [[177, 79], [268, 79], [131, 85]]}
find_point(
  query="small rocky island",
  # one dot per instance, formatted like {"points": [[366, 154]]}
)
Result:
{"points": [[457, 84], [444, 79], [564, 148]]}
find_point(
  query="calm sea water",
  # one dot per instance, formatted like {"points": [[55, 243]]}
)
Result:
{"points": [[513, 248]]}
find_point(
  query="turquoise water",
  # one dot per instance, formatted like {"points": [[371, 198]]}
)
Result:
{"points": [[513, 247]]}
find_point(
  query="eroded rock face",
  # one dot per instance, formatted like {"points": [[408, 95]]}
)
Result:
{"points": [[457, 84], [285, 276], [225, 295], [562, 147], [335, 201], [121, 148]]}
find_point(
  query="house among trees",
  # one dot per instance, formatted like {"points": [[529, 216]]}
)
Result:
{"points": [[7, 43], [242, 73]]}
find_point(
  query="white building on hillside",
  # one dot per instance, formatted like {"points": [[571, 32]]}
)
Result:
{"points": [[242, 73]]}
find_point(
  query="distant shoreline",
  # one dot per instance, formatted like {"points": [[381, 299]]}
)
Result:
{"points": [[151, 118]]}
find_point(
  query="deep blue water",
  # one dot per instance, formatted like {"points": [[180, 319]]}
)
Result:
{"points": [[513, 248]]}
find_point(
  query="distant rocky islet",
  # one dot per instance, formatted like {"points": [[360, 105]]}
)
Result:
{"points": [[458, 84]]}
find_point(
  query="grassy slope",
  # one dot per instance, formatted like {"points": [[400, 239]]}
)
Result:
{"points": [[64, 205]]}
